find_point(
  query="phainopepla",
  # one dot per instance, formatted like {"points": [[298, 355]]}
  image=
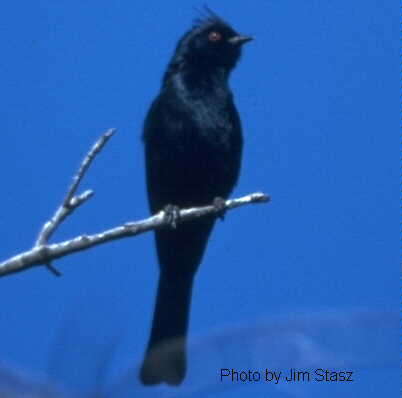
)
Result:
{"points": [[193, 147]]}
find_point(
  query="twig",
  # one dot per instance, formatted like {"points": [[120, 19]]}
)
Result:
{"points": [[44, 254], [71, 202]]}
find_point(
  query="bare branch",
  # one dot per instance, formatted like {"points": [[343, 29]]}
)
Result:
{"points": [[98, 146], [71, 202], [46, 253], [60, 215]]}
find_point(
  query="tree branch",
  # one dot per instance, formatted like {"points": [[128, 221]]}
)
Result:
{"points": [[43, 253], [71, 202]]}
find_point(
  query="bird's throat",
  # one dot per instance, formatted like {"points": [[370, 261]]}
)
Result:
{"points": [[204, 81]]}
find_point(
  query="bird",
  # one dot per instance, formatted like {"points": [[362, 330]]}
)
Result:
{"points": [[193, 143]]}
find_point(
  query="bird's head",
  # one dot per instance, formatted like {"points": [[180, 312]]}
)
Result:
{"points": [[210, 44]]}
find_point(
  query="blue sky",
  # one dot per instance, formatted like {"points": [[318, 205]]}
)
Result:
{"points": [[318, 94]]}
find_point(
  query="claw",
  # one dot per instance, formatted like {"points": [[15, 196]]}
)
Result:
{"points": [[220, 206], [172, 215]]}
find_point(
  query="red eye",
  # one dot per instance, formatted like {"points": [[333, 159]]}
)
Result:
{"points": [[214, 36]]}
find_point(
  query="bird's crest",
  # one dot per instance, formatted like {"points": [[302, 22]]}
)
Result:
{"points": [[206, 17]]}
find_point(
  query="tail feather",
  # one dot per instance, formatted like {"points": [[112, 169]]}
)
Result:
{"points": [[165, 359], [180, 252]]}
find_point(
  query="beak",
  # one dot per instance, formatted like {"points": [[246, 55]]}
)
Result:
{"points": [[240, 40]]}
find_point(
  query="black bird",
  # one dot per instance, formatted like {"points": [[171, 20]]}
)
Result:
{"points": [[193, 147]]}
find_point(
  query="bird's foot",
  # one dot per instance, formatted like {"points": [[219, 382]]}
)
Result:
{"points": [[172, 215], [220, 207]]}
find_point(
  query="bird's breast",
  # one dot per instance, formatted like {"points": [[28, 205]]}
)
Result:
{"points": [[193, 149]]}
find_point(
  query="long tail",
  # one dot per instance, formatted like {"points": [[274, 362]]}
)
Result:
{"points": [[165, 359], [180, 252]]}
